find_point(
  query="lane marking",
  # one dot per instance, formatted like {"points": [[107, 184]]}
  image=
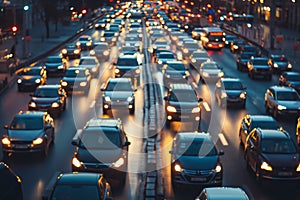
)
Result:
{"points": [[206, 106], [223, 139], [93, 104]]}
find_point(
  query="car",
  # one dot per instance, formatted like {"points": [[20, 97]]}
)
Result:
{"points": [[101, 50], [188, 48], [128, 66], [242, 60], [249, 122], [133, 40], [109, 36], [31, 77], [228, 39], [28, 132], [259, 66], [236, 45], [10, 183], [222, 193], [174, 72], [91, 63], [163, 57], [230, 91], [210, 71], [282, 101], [197, 58], [100, 24], [55, 66], [182, 104], [250, 49], [196, 33], [279, 63], [159, 43], [50, 98], [85, 42], [272, 155], [290, 79], [76, 79], [70, 51], [118, 93], [195, 160], [102, 147], [78, 186]]}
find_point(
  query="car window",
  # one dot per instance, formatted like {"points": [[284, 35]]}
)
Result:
{"points": [[100, 139], [278, 146], [176, 67], [233, 85], [75, 192], [260, 62], [197, 148], [75, 73], [22, 123], [46, 92], [183, 96], [54, 60], [127, 62], [88, 62], [287, 96], [293, 77], [115, 86]]}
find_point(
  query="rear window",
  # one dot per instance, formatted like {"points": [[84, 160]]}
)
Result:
{"points": [[127, 62]]}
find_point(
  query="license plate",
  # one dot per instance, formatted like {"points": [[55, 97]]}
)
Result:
{"points": [[19, 146], [285, 173], [198, 179]]}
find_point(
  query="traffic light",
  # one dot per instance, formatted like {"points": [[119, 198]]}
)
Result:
{"points": [[84, 11], [210, 18], [14, 29]]}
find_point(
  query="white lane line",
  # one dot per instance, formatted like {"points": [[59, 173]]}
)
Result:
{"points": [[223, 139], [206, 106], [93, 104]]}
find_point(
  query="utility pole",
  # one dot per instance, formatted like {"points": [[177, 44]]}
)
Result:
{"points": [[272, 24]]}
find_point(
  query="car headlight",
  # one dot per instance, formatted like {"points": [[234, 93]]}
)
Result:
{"points": [[243, 95], [290, 66], [205, 74], [220, 74], [76, 162], [167, 75], [64, 83], [194, 60], [137, 71], [105, 53], [37, 141], [107, 98], [265, 166], [171, 109], [92, 52], [119, 162], [89, 44], [76, 51], [159, 62], [83, 84], [37, 81], [185, 50], [19, 80], [32, 104], [178, 168], [102, 39], [196, 110], [94, 69], [129, 99], [114, 39], [280, 107], [298, 168], [5, 141], [235, 47], [117, 71], [218, 168], [60, 67], [64, 51], [275, 65], [55, 105], [78, 44], [226, 42], [223, 95]]}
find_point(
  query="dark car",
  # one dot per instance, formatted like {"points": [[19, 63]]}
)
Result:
{"points": [[249, 122], [102, 147], [85, 42], [10, 184], [109, 36], [259, 66], [228, 39], [163, 57], [236, 45], [91, 63], [282, 101], [174, 72], [182, 104], [50, 98], [195, 160], [290, 79], [31, 77], [242, 60], [128, 66], [279, 63], [251, 50], [100, 25], [101, 51], [272, 154], [71, 51], [118, 93], [230, 91], [222, 193], [55, 66], [78, 186], [210, 71], [30, 131], [76, 79]]}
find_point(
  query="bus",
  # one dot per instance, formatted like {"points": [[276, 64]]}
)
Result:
{"points": [[240, 19], [213, 38]]}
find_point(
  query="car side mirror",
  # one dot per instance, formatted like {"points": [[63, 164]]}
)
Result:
{"points": [[75, 141], [200, 99], [127, 143], [6, 126], [221, 152], [134, 90], [102, 89], [165, 98], [47, 126]]}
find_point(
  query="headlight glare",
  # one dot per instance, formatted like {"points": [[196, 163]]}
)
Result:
{"points": [[76, 162], [55, 105], [265, 166], [5, 141], [119, 162], [37, 141], [171, 109]]}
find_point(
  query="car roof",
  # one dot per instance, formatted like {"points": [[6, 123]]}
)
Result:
{"points": [[230, 79], [274, 134], [259, 58], [193, 136], [127, 57], [261, 118], [30, 114], [278, 88], [78, 178], [104, 122], [174, 62], [119, 80], [225, 193], [292, 73], [54, 86], [181, 86]]}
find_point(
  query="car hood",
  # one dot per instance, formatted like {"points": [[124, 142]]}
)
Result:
{"points": [[118, 94], [282, 160], [197, 162], [29, 77], [24, 135], [212, 71], [41, 100], [99, 155], [290, 104]]}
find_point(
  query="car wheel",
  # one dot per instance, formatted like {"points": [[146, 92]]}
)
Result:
{"points": [[269, 77], [5, 156], [168, 123], [275, 113], [243, 105], [257, 175], [65, 105], [19, 89], [240, 138], [267, 108], [104, 111], [247, 163], [53, 138], [45, 151], [238, 67], [131, 111]]}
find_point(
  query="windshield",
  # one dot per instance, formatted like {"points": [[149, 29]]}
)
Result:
{"points": [[88, 62], [165, 55], [96, 139], [177, 67], [246, 56], [75, 73], [278, 146], [191, 46], [210, 66], [100, 47], [260, 62], [233, 85], [115, 86], [293, 77], [83, 39], [183, 96], [127, 62], [200, 55], [31, 71], [197, 148], [30, 123], [46, 92], [75, 192], [280, 59], [287, 96], [109, 34], [54, 60]]}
